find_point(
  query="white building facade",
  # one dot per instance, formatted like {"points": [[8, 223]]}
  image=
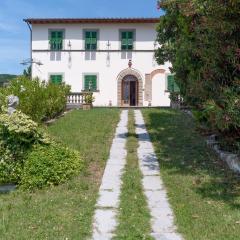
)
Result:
{"points": [[113, 58]]}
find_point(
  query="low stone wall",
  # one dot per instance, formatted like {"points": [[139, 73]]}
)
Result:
{"points": [[48, 122], [175, 105], [231, 159]]}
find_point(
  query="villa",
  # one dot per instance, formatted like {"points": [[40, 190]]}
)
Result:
{"points": [[111, 57]]}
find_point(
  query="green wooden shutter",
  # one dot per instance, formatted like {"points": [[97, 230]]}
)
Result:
{"points": [[90, 79], [124, 41], [87, 40], [127, 40], [172, 85], [94, 40], [170, 80], [56, 79], [90, 40], [176, 87], [56, 40], [130, 40]]}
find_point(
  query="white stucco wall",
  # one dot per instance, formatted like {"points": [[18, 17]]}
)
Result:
{"points": [[73, 64]]}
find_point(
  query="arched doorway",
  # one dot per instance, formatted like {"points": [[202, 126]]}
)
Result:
{"points": [[129, 88], [129, 91]]}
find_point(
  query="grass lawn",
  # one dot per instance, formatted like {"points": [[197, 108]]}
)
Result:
{"points": [[134, 216], [64, 212], [204, 194]]}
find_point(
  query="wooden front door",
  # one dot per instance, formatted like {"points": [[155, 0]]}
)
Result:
{"points": [[129, 91]]}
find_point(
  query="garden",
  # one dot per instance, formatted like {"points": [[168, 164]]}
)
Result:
{"points": [[30, 158], [57, 168]]}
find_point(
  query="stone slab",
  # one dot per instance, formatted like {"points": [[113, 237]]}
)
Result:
{"points": [[112, 182], [117, 161], [104, 221], [149, 170], [108, 199], [152, 183], [157, 199], [166, 236], [105, 217], [7, 188], [162, 218]]}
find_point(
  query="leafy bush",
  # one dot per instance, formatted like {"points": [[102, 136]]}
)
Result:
{"points": [[18, 133], [29, 157], [18, 129], [49, 165], [10, 169], [38, 99], [175, 97]]}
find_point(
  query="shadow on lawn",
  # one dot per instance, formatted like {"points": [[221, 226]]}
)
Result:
{"points": [[181, 150]]}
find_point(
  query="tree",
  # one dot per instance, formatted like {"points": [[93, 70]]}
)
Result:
{"points": [[201, 38], [27, 72]]}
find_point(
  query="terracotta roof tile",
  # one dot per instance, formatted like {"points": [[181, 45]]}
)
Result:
{"points": [[90, 20]]}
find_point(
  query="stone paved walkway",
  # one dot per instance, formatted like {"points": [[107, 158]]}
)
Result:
{"points": [[105, 221], [162, 219], [105, 218]]}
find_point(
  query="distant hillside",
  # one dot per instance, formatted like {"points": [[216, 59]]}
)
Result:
{"points": [[6, 78]]}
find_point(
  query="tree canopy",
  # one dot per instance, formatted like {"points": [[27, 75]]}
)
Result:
{"points": [[201, 38]]}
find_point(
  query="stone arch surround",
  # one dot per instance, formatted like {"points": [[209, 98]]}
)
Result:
{"points": [[148, 83], [121, 75]]}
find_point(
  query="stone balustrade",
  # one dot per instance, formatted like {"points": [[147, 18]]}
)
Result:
{"points": [[75, 100]]}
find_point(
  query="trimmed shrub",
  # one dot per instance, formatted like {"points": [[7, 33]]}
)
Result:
{"points": [[49, 165]]}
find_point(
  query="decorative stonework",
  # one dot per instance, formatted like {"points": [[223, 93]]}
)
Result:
{"points": [[13, 102], [124, 73], [148, 88], [157, 71], [148, 83]]}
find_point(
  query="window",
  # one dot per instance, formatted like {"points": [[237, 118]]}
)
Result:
{"points": [[56, 79], [90, 83], [172, 85], [127, 40], [56, 40], [90, 40]]}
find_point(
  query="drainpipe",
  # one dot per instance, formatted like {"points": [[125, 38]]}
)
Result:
{"points": [[31, 60]]}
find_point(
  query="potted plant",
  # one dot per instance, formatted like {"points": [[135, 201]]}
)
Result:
{"points": [[88, 101]]}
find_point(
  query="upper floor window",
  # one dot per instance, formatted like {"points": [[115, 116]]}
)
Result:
{"points": [[56, 39], [127, 39], [91, 40], [56, 78]]}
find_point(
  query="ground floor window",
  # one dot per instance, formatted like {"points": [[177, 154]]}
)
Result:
{"points": [[56, 78], [90, 82], [171, 84]]}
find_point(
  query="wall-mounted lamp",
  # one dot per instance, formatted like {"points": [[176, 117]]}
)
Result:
{"points": [[69, 45]]}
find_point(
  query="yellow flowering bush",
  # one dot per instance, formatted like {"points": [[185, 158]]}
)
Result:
{"points": [[29, 157]]}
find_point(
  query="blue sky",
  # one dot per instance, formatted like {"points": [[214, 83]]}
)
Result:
{"points": [[14, 33]]}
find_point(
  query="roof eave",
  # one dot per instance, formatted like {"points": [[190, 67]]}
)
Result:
{"points": [[89, 20]]}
